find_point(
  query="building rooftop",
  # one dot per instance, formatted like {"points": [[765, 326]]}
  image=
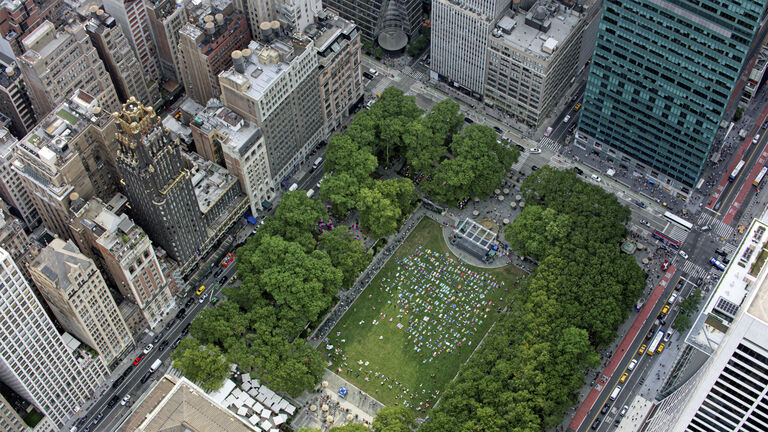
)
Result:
{"points": [[211, 181], [540, 31], [176, 403], [331, 33], [744, 273], [264, 66], [49, 140], [7, 143], [56, 259], [241, 135], [116, 233]]}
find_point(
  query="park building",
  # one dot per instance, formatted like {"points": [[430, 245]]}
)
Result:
{"points": [[65, 157], [114, 50], [127, 256], [12, 189], [720, 376], [655, 97], [533, 58], [53, 371], [337, 42], [274, 85], [79, 298], [205, 48], [58, 63]]}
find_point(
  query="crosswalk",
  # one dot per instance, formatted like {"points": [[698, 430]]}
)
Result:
{"points": [[694, 271], [549, 144], [718, 227]]}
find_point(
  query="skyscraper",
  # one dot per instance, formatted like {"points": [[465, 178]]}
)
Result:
{"points": [[132, 16], [53, 371], [77, 294], [156, 182], [661, 78], [371, 15], [459, 41]]}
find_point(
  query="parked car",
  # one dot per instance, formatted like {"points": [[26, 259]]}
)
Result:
{"points": [[138, 360], [596, 178], [624, 377], [125, 400], [468, 120], [157, 338], [642, 349], [498, 129], [98, 418], [148, 348], [112, 402]]}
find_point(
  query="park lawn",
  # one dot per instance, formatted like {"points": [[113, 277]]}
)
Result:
{"points": [[387, 348]]}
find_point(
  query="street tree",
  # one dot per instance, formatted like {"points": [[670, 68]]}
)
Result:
{"points": [[444, 120], [378, 214], [202, 364]]}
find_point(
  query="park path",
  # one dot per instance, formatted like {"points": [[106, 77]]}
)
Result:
{"points": [[624, 348]]}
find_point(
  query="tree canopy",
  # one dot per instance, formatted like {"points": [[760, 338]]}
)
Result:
{"points": [[203, 364], [346, 253]]}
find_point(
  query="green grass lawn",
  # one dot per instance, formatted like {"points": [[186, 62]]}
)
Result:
{"points": [[389, 349]]}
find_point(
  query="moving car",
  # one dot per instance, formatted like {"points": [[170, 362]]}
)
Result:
{"points": [[125, 399], [596, 178], [98, 418], [566, 119], [640, 204], [577, 106], [148, 348], [535, 150], [660, 348], [665, 309], [642, 349], [683, 254], [623, 377], [112, 402], [468, 120], [632, 365], [203, 297]]}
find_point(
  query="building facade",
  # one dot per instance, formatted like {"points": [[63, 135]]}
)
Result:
{"points": [[369, 14], [79, 298], [58, 63], [115, 52], [132, 16], [166, 18], [459, 41], [157, 184], [533, 57], [275, 86], [16, 242], [654, 97], [12, 189], [205, 51], [19, 18], [14, 100], [53, 371], [338, 46]]}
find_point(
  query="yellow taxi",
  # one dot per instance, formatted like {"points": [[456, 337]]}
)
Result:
{"points": [[642, 349], [665, 309], [577, 106], [623, 377], [660, 348]]}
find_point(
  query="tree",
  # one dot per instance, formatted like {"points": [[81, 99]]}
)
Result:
{"points": [[691, 303], [295, 219], [298, 284], [738, 114], [202, 364], [292, 367], [345, 155], [378, 214], [347, 253], [394, 419], [422, 148], [444, 120], [399, 191], [682, 323], [341, 189]]}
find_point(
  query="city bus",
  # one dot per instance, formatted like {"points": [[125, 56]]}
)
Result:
{"points": [[736, 171], [201, 289], [760, 176], [678, 221], [655, 343], [667, 239]]}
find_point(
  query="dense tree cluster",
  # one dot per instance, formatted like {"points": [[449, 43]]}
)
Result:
{"points": [[524, 376], [290, 274], [419, 43], [462, 164]]}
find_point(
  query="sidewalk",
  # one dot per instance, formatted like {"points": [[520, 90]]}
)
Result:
{"points": [[625, 347]]}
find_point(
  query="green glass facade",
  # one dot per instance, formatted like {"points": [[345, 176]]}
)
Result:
{"points": [[661, 78]]}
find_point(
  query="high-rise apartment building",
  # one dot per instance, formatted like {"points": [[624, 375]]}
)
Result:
{"points": [[14, 100], [204, 51], [371, 15], [16, 242], [533, 56], [156, 182], [127, 255], [720, 378], [18, 18], [216, 129], [275, 86], [114, 50], [65, 158], [12, 189], [459, 40], [58, 63], [55, 372], [337, 42], [660, 80], [79, 298], [298, 14], [166, 18], [132, 16]]}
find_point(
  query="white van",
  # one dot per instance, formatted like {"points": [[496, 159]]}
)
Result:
{"points": [[155, 365], [615, 393], [310, 193], [293, 187], [318, 162]]}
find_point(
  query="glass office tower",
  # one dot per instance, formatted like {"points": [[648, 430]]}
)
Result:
{"points": [[662, 75]]}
